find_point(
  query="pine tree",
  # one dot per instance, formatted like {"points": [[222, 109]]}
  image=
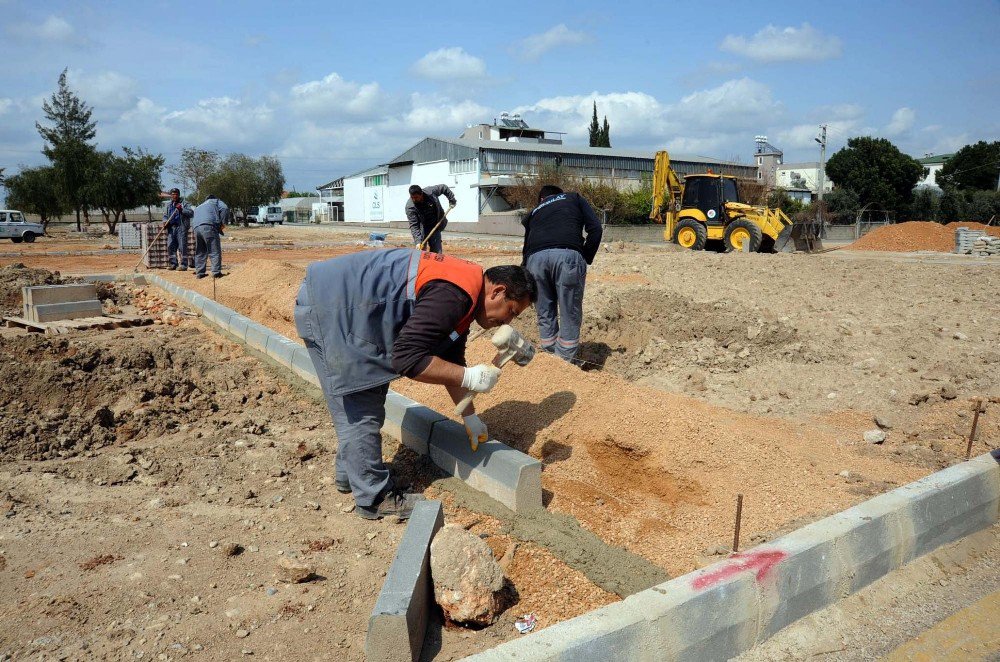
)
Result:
{"points": [[595, 130], [605, 134], [68, 143]]}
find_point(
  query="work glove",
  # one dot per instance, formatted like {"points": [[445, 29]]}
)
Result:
{"points": [[480, 378], [417, 245], [452, 205], [179, 207], [476, 430]]}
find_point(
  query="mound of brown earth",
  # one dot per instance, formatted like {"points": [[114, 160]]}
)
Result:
{"points": [[908, 237], [993, 230]]}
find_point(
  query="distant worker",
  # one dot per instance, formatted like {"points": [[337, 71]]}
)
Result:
{"points": [[557, 255], [425, 213], [177, 219], [419, 331], [210, 218]]}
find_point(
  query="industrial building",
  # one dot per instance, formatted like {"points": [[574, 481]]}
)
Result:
{"points": [[482, 162]]}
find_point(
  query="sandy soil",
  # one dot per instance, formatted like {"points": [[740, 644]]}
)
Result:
{"points": [[755, 374]]}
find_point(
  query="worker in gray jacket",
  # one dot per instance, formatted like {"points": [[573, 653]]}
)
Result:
{"points": [[209, 219], [177, 220], [424, 213]]}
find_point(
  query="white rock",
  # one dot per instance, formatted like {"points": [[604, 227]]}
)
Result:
{"points": [[875, 436]]}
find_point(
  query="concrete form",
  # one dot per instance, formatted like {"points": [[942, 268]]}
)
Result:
{"points": [[720, 611], [71, 310], [398, 622], [50, 303], [507, 475]]}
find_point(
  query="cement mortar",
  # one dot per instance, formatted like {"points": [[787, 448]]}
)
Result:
{"points": [[612, 568]]}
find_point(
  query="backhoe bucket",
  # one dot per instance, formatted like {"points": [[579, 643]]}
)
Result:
{"points": [[802, 236]]}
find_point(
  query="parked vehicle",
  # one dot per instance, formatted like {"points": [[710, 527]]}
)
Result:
{"points": [[269, 214], [15, 227]]}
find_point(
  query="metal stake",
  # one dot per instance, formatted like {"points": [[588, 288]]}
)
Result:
{"points": [[213, 287], [739, 518], [975, 425]]}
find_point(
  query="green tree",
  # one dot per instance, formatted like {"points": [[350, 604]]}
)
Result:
{"points": [[779, 198], [594, 129], [195, 165], [243, 182], [119, 183], [301, 194], [605, 134], [974, 167], [875, 170], [37, 191], [67, 142], [926, 205]]}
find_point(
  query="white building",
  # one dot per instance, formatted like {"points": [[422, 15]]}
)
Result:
{"points": [[933, 164], [478, 170], [801, 175]]}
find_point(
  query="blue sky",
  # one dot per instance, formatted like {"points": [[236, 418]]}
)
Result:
{"points": [[332, 87]]}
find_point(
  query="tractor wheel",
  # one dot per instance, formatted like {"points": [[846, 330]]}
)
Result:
{"points": [[29, 237], [741, 231], [690, 234]]}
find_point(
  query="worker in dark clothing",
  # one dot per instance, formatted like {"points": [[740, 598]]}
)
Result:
{"points": [[424, 212], [177, 219], [557, 254], [426, 303]]}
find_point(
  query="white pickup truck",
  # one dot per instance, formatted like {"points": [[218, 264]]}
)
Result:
{"points": [[15, 227]]}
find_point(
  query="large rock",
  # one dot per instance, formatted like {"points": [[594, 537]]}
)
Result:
{"points": [[467, 579]]}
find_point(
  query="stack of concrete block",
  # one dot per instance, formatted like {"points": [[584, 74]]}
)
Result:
{"points": [[49, 303], [156, 256], [965, 238], [130, 235], [986, 246]]}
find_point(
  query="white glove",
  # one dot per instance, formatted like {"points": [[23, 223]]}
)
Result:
{"points": [[452, 205], [480, 378], [417, 245], [476, 430]]}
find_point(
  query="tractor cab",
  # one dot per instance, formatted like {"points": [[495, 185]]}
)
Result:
{"points": [[708, 193]]}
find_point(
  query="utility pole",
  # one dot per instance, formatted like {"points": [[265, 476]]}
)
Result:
{"points": [[822, 171]]}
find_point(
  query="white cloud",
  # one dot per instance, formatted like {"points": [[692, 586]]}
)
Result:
{"points": [[449, 64], [902, 121], [534, 46], [104, 90], [439, 115], [53, 28], [791, 44], [5, 105], [334, 97]]}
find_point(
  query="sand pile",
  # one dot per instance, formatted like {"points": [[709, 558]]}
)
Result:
{"points": [[993, 230], [907, 237]]}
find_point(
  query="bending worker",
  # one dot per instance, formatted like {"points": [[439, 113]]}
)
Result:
{"points": [[209, 219], [370, 317], [557, 255], [424, 212]]}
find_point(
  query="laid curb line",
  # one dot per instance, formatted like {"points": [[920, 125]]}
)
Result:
{"points": [[718, 612], [398, 622], [501, 472]]}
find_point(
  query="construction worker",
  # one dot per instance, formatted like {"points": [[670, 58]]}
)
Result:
{"points": [[209, 219], [177, 219], [425, 213], [557, 254], [371, 317]]}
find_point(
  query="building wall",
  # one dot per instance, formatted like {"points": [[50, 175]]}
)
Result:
{"points": [[354, 200], [808, 172], [931, 179], [430, 174]]}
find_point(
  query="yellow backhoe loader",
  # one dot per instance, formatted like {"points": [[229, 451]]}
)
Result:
{"points": [[707, 207]]}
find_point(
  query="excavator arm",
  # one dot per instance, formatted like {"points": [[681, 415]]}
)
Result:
{"points": [[667, 192]]}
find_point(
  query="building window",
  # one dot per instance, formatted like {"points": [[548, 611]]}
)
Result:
{"points": [[375, 180], [462, 165]]}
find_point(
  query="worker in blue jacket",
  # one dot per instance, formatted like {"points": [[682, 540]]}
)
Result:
{"points": [[209, 219], [177, 219]]}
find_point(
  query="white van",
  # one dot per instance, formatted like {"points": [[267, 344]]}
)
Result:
{"points": [[269, 214], [15, 227]]}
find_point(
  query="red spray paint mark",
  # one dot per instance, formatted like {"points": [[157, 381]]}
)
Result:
{"points": [[761, 561]]}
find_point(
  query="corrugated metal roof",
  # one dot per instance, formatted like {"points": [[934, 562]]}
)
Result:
{"points": [[935, 159]]}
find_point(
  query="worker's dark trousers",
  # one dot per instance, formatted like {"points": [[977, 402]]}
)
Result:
{"points": [[560, 274], [207, 244], [357, 418], [434, 244], [177, 241]]}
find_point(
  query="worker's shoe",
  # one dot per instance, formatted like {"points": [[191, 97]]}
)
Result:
{"points": [[200, 276], [182, 268], [393, 503], [172, 267], [342, 486], [217, 275]]}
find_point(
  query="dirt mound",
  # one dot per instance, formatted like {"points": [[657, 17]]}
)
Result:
{"points": [[65, 396], [641, 332], [15, 276], [908, 237]]}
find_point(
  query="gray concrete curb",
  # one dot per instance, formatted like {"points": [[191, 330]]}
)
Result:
{"points": [[503, 473], [398, 622], [720, 611]]}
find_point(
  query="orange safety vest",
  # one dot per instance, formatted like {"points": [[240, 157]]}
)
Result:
{"points": [[461, 273]]}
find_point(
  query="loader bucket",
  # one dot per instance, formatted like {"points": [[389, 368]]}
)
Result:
{"points": [[802, 236]]}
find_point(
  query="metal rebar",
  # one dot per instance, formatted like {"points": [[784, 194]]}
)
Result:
{"points": [[975, 426], [739, 519], [213, 287]]}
